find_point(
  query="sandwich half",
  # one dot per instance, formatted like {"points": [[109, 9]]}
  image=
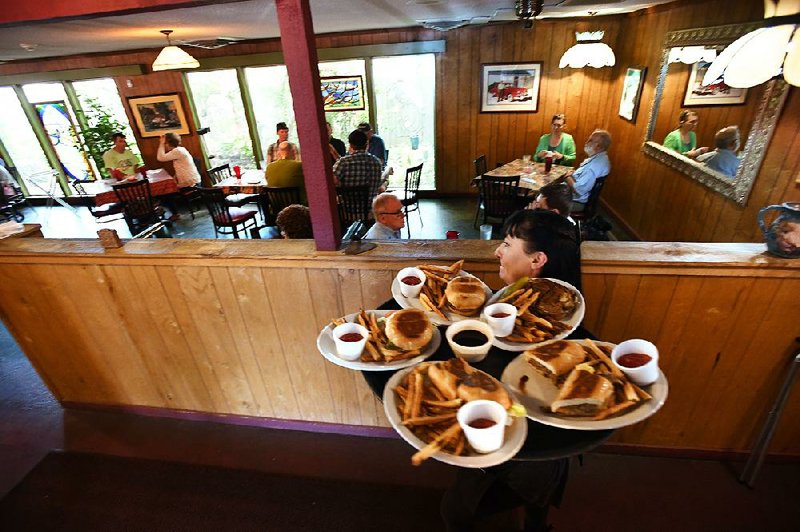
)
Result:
{"points": [[584, 393], [556, 359]]}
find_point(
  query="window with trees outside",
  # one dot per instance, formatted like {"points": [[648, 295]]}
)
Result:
{"points": [[25, 152]]}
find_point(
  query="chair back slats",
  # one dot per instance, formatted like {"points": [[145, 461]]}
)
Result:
{"points": [[137, 203], [218, 173], [413, 177], [275, 199], [214, 199], [590, 209], [355, 204], [500, 196]]}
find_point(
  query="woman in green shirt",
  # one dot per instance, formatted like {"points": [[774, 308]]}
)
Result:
{"points": [[683, 140], [561, 145]]}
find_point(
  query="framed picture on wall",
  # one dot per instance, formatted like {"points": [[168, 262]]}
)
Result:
{"points": [[717, 93], [510, 87], [342, 93], [156, 115], [631, 92]]}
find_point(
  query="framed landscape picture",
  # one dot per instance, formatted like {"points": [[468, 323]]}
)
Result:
{"points": [[631, 92], [156, 115], [717, 93], [342, 93], [510, 87]]}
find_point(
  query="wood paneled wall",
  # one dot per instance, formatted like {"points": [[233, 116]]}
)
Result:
{"points": [[656, 202], [230, 328]]}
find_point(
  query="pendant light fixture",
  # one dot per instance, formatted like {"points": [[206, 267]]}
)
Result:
{"points": [[588, 52], [173, 58], [760, 55]]}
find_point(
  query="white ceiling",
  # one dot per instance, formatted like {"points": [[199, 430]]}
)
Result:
{"points": [[256, 19]]}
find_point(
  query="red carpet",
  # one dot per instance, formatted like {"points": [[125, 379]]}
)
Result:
{"points": [[70, 491]]}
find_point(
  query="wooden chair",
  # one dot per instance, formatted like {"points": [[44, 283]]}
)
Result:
{"points": [[222, 172], [219, 173], [275, 199], [480, 169], [410, 200], [189, 196], [227, 220], [138, 207], [355, 204], [500, 196], [583, 217]]}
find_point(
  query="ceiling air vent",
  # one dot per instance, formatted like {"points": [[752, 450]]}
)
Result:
{"points": [[211, 44], [444, 25]]}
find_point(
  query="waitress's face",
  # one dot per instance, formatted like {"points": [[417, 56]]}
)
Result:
{"points": [[514, 262]]}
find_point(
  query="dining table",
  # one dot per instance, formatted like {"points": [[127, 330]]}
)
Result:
{"points": [[532, 175], [161, 184], [251, 181]]}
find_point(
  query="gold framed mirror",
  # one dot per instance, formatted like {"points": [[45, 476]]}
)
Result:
{"points": [[756, 116]]}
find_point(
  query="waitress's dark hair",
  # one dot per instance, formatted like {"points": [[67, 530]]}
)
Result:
{"points": [[553, 235]]}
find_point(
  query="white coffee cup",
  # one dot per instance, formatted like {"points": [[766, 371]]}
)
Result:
{"points": [[349, 350], [644, 374], [411, 290], [501, 326], [470, 353], [487, 439]]}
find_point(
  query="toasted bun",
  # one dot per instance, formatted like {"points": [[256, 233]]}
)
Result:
{"points": [[556, 358], [583, 394], [480, 385], [409, 329], [445, 382], [465, 295]]}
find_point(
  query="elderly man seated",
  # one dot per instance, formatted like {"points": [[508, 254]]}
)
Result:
{"points": [[389, 218], [595, 166], [723, 159]]}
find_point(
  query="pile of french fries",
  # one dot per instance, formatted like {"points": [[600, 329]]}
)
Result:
{"points": [[528, 327], [432, 296], [430, 415], [378, 348], [626, 394]]}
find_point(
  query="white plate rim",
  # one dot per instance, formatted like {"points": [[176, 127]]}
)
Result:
{"points": [[413, 302], [573, 322], [325, 337], [516, 433], [659, 390]]}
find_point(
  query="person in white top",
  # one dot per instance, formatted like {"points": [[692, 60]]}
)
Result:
{"points": [[170, 149]]}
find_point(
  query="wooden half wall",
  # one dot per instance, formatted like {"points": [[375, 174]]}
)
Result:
{"points": [[230, 328]]}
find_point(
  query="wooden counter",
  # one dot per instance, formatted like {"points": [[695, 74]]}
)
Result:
{"points": [[230, 327]]}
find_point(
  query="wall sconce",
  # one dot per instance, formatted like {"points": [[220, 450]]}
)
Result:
{"points": [[173, 58], [690, 55], [588, 52], [758, 56]]}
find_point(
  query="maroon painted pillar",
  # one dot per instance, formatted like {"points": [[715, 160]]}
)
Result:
{"points": [[300, 56]]}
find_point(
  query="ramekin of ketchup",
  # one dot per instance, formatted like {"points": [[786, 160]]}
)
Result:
{"points": [[411, 281], [638, 360]]}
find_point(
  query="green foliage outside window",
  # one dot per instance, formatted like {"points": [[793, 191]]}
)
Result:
{"points": [[96, 138]]}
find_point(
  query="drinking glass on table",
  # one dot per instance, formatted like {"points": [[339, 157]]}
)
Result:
{"points": [[238, 171], [526, 159]]}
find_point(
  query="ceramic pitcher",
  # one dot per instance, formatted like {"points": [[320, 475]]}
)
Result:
{"points": [[782, 235]]}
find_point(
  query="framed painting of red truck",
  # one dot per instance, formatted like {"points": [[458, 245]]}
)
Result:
{"points": [[510, 87]]}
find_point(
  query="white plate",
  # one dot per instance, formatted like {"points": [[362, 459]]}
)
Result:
{"points": [[540, 393], [515, 433], [413, 302], [327, 347], [572, 322]]}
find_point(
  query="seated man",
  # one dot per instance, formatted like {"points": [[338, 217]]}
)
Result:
{"points": [[596, 165], [359, 167], [120, 160], [170, 149], [285, 171], [723, 159], [389, 218], [283, 136], [376, 146]]}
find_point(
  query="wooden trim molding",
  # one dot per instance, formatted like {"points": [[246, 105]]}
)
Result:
{"points": [[73, 75]]}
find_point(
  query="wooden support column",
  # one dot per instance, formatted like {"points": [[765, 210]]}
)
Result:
{"points": [[300, 54]]}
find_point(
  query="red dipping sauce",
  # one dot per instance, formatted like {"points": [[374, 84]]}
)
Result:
{"points": [[412, 280], [351, 337], [634, 360], [482, 423], [501, 315]]}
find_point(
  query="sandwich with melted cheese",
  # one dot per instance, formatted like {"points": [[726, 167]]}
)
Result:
{"points": [[584, 393], [556, 359], [457, 379]]}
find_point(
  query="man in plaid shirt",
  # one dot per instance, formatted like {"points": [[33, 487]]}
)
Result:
{"points": [[358, 167]]}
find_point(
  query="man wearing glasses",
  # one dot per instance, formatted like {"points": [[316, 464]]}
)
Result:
{"points": [[389, 218]]}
